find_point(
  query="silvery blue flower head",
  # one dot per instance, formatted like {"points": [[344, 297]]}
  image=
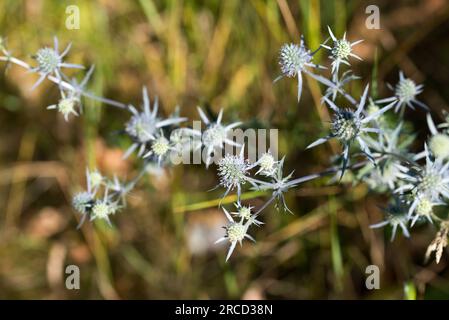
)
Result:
{"points": [[341, 50], [103, 208], [233, 171], [294, 60], [160, 148], [235, 232], [245, 214], [215, 137], [438, 141], [430, 182], [84, 201], [143, 126], [348, 126], [66, 106], [422, 207], [71, 98], [396, 216], [50, 61], [405, 94], [267, 165]]}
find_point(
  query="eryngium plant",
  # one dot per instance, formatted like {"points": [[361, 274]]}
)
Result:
{"points": [[415, 182]]}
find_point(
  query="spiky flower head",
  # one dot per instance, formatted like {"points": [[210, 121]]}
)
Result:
{"points": [[396, 216], [233, 171], [83, 202], [341, 49], [430, 182], [245, 212], [48, 60], [345, 125], [101, 210], [160, 146], [215, 135], [143, 126], [66, 106], [293, 58], [405, 93], [406, 90], [424, 207], [235, 232], [439, 145], [267, 164], [438, 142]]}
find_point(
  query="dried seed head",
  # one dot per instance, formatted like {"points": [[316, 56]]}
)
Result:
{"points": [[215, 135], [439, 145], [160, 146], [406, 90], [345, 125], [48, 60], [341, 49], [236, 231], [83, 202], [293, 58], [232, 171], [439, 243]]}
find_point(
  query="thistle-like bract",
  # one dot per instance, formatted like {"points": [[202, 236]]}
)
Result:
{"points": [[396, 216]]}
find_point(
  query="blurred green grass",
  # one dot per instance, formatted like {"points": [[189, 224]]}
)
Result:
{"points": [[219, 54]]}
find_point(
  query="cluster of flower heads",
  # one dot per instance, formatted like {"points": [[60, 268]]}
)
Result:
{"points": [[416, 182], [102, 198]]}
